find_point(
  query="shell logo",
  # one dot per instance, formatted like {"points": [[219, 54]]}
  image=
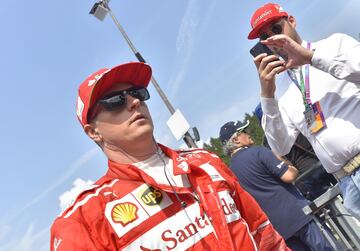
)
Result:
{"points": [[124, 213]]}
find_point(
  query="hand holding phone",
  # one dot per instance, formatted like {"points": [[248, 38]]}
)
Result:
{"points": [[268, 70]]}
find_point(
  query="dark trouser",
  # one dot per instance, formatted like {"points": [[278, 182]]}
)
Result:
{"points": [[315, 182], [309, 238]]}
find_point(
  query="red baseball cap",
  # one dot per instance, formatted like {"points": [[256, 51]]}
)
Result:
{"points": [[96, 85], [263, 16]]}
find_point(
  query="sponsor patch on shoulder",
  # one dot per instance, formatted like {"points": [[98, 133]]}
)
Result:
{"points": [[280, 165]]}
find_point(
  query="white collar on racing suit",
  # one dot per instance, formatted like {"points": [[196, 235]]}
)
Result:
{"points": [[154, 167]]}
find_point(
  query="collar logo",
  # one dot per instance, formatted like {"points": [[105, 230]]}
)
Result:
{"points": [[151, 196], [183, 166], [124, 213]]}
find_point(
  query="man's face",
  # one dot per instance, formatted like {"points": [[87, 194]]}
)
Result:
{"points": [[244, 139], [279, 26], [124, 125], [285, 26]]}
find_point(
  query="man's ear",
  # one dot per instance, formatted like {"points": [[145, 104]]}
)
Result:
{"points": [[292, 21], [92, 132], [236, 139]]}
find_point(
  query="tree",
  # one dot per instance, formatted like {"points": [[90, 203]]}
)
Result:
{"points": [[254, 129], [215, 146]]}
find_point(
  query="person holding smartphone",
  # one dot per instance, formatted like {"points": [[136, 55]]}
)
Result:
{"points": [[322, 99]]}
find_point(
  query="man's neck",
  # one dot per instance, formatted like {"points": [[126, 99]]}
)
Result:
{"points": [[298, 38], [137, 152], [238, 149]]}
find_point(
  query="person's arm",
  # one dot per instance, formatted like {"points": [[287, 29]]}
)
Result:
{"points": [[290, 175], [70, 235], [280, 132], [276, 166], [339, 55]]}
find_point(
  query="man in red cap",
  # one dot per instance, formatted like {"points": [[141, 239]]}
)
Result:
{"points": [[321, 98], [152, 197]]}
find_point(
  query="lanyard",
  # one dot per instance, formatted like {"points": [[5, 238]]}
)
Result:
{"points": [[303, 87]]}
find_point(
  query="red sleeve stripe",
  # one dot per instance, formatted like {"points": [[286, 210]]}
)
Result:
{"points": [[264, 224]]}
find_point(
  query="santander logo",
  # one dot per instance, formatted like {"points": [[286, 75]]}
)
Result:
{"points": [[266, 13], [173, 238], [190, 231], [184, 229]]}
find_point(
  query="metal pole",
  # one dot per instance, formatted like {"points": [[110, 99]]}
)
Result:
{"points": [[187, 137]]}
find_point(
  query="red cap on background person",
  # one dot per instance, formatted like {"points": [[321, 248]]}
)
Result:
{"points": [[96, 85], [263, 16]]}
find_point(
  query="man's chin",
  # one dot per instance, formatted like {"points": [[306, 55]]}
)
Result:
{"points": [[144, 132]]}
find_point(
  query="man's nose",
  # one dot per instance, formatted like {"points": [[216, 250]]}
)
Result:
{"points": [[132, 102]]}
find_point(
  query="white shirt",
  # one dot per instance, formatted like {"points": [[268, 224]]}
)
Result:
{"points": [[335, 83], [154, 167]]}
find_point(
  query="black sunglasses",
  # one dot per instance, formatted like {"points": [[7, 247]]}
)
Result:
{"points": [[117, 99], [276, 28], [242, 131]]}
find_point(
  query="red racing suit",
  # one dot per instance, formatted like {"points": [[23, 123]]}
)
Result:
{"points": [[128, 210]]}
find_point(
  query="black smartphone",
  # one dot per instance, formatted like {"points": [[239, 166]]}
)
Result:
{"points": [[260, 48]]}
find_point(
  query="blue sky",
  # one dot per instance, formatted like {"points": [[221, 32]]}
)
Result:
{"points": [[199, 54]]}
